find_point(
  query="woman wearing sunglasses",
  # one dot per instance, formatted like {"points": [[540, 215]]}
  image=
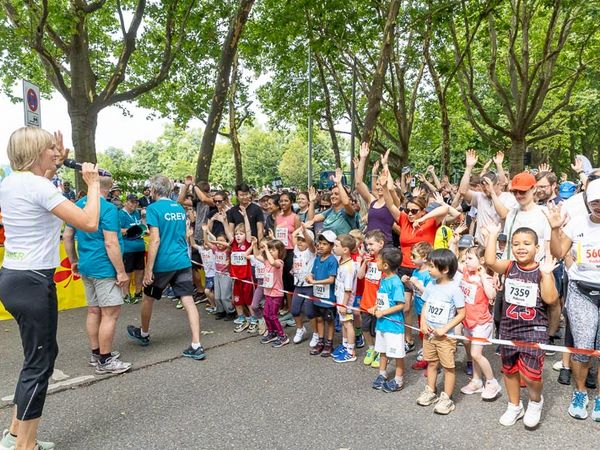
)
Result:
{"points": [[415, 226]]}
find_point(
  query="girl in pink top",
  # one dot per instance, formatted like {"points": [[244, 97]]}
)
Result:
{"points": [[480, 292], [273, 255], [286, 222]]}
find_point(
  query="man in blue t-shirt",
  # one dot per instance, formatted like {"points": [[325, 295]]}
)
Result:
{"points": [[134, 252], [98, 259], [168, 264]]}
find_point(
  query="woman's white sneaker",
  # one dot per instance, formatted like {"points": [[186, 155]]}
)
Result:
{"points": [[512, 414], [491, 390], [533, 413], [314, 340]]}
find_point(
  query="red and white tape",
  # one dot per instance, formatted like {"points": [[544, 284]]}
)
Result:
{"points": [[476, 340]]}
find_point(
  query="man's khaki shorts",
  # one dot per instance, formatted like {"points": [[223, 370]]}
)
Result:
{"points": [[102, 292]]}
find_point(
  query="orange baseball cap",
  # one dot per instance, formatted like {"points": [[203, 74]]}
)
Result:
{"points": [[522, 181]]}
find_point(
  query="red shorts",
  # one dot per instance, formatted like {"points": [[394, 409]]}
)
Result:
{"points": [[242, 293], [529, 362]]}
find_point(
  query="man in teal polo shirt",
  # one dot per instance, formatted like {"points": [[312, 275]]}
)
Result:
{"points": [[98, 259], [168, 263], [134, 249]]}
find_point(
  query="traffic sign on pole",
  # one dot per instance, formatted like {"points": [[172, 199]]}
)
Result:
{"points": [[31, 104]]}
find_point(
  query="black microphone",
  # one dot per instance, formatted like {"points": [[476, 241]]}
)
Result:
{"points": [[72, 164]]}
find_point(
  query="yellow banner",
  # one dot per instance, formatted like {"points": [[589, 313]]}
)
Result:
{"points": [[68, 287]]}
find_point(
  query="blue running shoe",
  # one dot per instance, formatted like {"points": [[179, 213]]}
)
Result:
{"points": [[239, 320], [378, 382], [360, 341], [135, 333], [579, 402], [392, 386], [338, 350], [596, 410], [345, 357]]}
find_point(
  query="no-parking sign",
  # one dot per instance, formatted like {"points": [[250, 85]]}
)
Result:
{"points": [[31, 105]]}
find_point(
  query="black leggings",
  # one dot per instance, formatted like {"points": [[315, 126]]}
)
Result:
{"points": [[30, 296]]}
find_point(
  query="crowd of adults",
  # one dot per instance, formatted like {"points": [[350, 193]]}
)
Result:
{"points": [[132, 247]]}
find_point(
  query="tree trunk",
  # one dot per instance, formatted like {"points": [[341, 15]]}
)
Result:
{"points": [[233, 126], [517, 151], [328, 116], [83, 134], [445, 140], [213, 122], [375, 93]]}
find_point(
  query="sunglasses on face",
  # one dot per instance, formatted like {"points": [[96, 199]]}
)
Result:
{"points": [[517, 192], [218, 202], [413, 211]]}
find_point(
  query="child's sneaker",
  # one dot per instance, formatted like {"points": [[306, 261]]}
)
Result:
{"points": [[252, 328], [317, 349], [240, 319], [339, 350], [280, 341], [420, 355], [314, 340], [512, 414], [474, 387], [444, 405], [299, 336], [346, 356], [578, 406], [241, 326], [179, 305], [270, 337], [378, 382], [427, 397], [376, 362], [533, 413], [262, 327], [360, 341], [596, 410], [409, 347], [392, 386], [369, 357], [327, 349], [491, 390]]}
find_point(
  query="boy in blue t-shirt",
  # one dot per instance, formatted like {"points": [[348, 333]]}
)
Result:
{"points": [[419, 280], [389, 337], [322, 279], [443, 310]]}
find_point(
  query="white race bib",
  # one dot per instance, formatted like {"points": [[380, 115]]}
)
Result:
{"points": [[207, 257], [373, 273], [469, 290], [281, 234], [268, 280], [260, 270], [221, 258], [321, 290], [299, 266], [383, 301], [521, 293], [238, 259], [438, 312], [588, 255]]}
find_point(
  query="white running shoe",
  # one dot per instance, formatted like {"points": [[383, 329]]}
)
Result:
{"points": [[314, 340], [512, 414], [558, 365], [299, 336], [533, 413], [491, 390]]}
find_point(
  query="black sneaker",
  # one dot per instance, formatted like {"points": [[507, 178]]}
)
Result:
{"points": [[271, 337], [230, 316], [197, 354], [280, 342], [219, 316], [135, 333], [409, 347], [590, 380], [564, 376]]}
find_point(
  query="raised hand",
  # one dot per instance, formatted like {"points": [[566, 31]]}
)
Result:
{"points": [[384, 158], [312, 194], [418, 192], [498, 158], [89, 172], [471, 158], [437, 197], [375, 167], [431, 169], [60, 148], [493, 228], [383, 177], [554, 216], [488, 183], [548, 266], [338, 175], [577, 166], [364, 150], [544, 167], [461, 228], [356, 163]]}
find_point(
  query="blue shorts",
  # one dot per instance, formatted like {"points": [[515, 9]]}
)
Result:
{"points": [[357, 300], [209, 283]]}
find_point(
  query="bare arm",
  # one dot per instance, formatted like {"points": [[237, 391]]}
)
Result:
{"points": [[69, 242], [153, 244], [463, 189], [498, 266], [389, 202], [113, 250], [361, 187]]}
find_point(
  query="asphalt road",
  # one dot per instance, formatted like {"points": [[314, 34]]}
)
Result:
{"points": [[248, 395]]}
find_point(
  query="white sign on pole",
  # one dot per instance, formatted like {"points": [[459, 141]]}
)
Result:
{"points": [[31, 105]]}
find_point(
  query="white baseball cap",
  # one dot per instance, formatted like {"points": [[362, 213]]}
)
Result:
{"points": [[592, 192], [329, 236], [309, 233]]}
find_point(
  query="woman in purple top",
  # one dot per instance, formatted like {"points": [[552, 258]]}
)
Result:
{"points": [[380, 217]]}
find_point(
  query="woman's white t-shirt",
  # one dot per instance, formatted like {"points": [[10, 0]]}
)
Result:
{"points": [[32, 231]]}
